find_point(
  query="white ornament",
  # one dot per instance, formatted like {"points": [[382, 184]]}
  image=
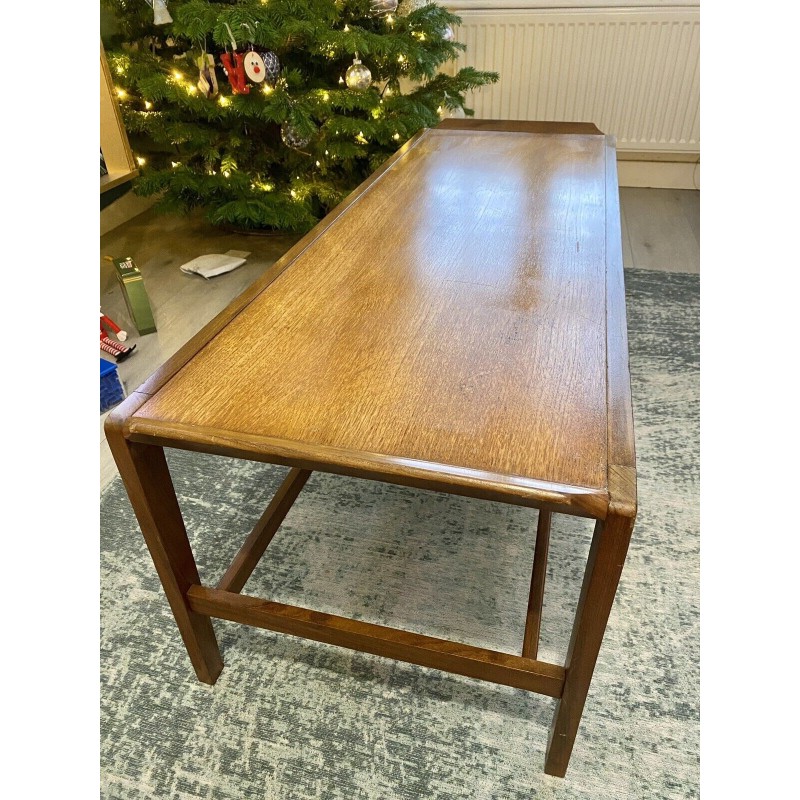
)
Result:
{"points": [[160, 12], [254, 67], [451, 113], [447, 34], [358, 77]]}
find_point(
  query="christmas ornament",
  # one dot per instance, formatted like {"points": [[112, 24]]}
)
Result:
{"points": [[291, 138], [254, 67], [235, 72], [207, 84], [380, 7], [450, 113], [272, 66], [447, 34], [358, 77], [108, 345], [160, 12]]}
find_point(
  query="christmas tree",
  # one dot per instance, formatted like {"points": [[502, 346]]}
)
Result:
{"points": [[267, 113]]}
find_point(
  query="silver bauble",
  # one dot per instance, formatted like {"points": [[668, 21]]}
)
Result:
{"points": [[451, 113], [380, 7], [272, 66], [291, 138], [447, 34], [358, 77]]}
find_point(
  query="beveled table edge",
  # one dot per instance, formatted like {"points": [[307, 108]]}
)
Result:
{"points": [[621, 449], [454, 479]]}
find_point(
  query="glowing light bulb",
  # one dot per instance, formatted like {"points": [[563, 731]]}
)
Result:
{"points": [[177, 75], [326, 96], [294, 194], [141, 161], [401, 58], [341, 79], [226, 173], [148, 105], [396, 136], [191, 88], [175, 164], [318, 164], [347, 29], [267, 89], [390, 19], [122, 94], [223, 101], [326, 152]]}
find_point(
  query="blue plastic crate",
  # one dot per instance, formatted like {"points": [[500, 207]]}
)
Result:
{"points": [[111, 391]]}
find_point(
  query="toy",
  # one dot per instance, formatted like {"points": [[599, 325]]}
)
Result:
{"points": [[108, 345]]}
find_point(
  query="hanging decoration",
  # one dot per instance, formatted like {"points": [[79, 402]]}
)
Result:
{"points": [[381, 7], [235, 72], [234, 69], [161, 14], [254, 67], [207, 83], [358, 77], [450, 113], [291, 137], [272, 66], [447, 34]]}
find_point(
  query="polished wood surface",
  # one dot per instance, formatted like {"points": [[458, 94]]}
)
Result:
{"points": [[452, 319], [457, 323]]}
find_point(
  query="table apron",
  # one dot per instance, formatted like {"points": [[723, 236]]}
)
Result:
{"points": [[587, 503]]}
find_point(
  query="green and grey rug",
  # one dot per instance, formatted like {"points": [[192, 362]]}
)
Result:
{"points": [[291, 719]]}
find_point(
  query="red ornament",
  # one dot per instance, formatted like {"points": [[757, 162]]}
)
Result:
{"points": [[235, 72]]}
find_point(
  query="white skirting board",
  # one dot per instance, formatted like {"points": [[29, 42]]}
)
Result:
{"points": [[659, 174]]}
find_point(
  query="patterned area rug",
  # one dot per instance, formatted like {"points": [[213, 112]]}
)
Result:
{"points": [[289, 718]]}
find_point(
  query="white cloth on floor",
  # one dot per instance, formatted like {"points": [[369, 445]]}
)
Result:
{"points": [[215, 263]]}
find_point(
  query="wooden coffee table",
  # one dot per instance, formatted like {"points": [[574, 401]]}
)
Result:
{"points": [[456, 324]]}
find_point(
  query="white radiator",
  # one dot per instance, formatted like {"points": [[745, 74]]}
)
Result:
{"points": [[632, 71]]}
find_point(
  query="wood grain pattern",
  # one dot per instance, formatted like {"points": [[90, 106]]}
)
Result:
{"points": [[414, 648], [454, 315], [514, 489], [457, 323]]}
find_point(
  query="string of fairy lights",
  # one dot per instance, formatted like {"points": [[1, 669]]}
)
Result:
{"points": [[164, 98], [357, 77]]}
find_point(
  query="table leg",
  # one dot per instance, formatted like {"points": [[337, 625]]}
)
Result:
{"points": [[144, 471], [603, 570]]}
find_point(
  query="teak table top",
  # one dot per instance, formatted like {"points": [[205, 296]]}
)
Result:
{"points": [[458, 322]]}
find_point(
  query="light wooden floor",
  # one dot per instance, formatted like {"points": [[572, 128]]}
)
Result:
{"points": [[660, 230]]}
